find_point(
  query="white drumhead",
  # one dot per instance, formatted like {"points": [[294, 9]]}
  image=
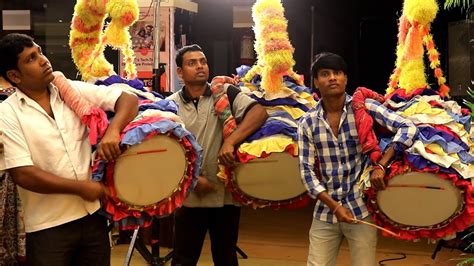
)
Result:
{"points": [[428, 200], [276, 177], [149, 172]]}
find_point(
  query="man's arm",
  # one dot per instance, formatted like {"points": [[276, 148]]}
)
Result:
{"points": [[405, 134], [34, 179], [126, 108], [253, 120]]}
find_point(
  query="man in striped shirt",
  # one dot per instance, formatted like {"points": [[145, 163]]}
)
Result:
{"points": [[328, 141]]}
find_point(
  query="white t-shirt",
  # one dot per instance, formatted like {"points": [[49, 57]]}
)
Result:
{"points": [[60, 146]]}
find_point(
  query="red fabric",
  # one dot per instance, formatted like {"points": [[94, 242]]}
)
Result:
{"points": [[97, 123], [364, 122], [402, 93], [457, 224]]}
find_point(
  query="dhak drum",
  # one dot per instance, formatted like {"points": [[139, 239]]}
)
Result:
{"points": [[150, 172], [153, 176], [422, 204], [420, 200], [270, 181]]}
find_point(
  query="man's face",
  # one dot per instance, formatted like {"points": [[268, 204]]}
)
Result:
{"points": [[34, 69], [330, 82], [195, 70]]}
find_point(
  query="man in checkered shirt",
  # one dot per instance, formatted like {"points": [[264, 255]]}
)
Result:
{"points": [[328, 141]]}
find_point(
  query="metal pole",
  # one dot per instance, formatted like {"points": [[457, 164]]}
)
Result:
{"points": [[156, 47], [312, 47]]}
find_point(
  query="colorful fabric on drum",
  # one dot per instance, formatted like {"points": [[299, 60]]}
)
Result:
{"points": [[275, 143], [136, 84], [284, 101], [295, 113], [341, 156], [273, 127], [161, 105]]}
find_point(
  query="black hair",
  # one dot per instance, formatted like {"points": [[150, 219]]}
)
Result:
{"points": [[183, 50], [329, 61], [11, 46]]}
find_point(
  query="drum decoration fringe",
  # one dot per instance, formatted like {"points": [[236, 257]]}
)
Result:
{"points": [[413, 36], [88, 41], [273, 47]]}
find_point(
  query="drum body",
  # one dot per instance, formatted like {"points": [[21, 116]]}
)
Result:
{"points": [[150, 172], [270, 181], [419, 200], [154, 175], [422, 204]]}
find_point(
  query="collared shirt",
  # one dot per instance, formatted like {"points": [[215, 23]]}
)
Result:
{"points": [[58, 145], [340, 158], [200, 118]]}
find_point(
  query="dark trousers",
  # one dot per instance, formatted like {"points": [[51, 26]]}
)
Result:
{"points": [[81, 242], [191, 225]]}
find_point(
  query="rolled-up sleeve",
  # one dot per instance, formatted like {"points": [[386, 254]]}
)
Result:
{"points": [[307, 155], [101, 96], [15, 148]]}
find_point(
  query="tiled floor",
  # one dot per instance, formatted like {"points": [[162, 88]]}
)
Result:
{"points": [[279, 238]]}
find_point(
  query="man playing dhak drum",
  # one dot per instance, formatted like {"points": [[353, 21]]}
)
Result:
{"points": [[210, 206], [48, 153], [331, 160]]}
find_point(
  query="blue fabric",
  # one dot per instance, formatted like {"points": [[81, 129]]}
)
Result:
{"points": [[162, 105], [134, 83], [273, 127], [280, 101]]}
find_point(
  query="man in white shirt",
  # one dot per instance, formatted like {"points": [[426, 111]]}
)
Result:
{"points": [[48, 154]]}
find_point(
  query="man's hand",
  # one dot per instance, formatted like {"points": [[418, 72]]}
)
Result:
{"points": [[92, 190], [109, 148], [344, 215], [377, 179], [204, 187], [226, 154]]}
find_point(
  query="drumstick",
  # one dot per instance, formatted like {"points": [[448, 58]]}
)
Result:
{"points": [[250, 162], [144, 152], [376, 226], [417, 186]]}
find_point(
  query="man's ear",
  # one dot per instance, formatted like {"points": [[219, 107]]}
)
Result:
{"points": [[179, 71], [14, 75]]}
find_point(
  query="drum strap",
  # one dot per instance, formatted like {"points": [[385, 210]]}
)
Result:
{"points": [[364, 122], [222, 104]]}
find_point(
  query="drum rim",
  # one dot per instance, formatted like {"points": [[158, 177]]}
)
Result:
{"points": [[249, 200], [186, 178], [456, 222]]}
